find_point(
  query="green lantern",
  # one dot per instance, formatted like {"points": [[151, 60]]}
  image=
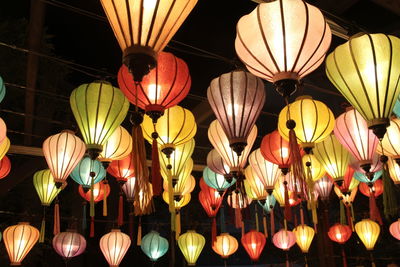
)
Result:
{"points": [[86, 170], [154, 245], [45, 186], [216, 181], [99, 108], [2, 89]]}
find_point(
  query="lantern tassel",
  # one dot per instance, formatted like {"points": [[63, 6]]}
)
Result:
{"points": [[342, 212], [288, 210], [272, 221], [91, 226], [56, 228], [213, 230], [256, 215], [155, 169], [373, 209], [91, 211], [389, 195], [131, 225], [178, 225], [349, 219], [121, 210], [84, 221], [344, 257], [105, 212], [352, 217], [238, 218], [265, 226], [287, 259], [43, 227], [139, 233], [243, 229]]}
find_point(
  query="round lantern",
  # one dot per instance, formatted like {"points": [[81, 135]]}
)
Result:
{"points": [[4, 147], [98, 192], [69, 244], [376, 188], [317, 170], [216, 163], [253, 185], [19, 240], [164, 87], [314, 121], [263, 43], [394, 170], [284, 239], [225, 245], [122, 169], [63, 152], [154, 245], [340, 233], [2, 89], [254, 243], [117, 147], [368, 231], [88, 170], [191, 244], [304, 236], [391, 141], [395, 229], [129, 189], [45, 186], [114, 246], [99, 108], [276, 150], [323, 187], [5, 167], [267, 172], [216, 180], [220, 142], [237, 99], [365, 70]]}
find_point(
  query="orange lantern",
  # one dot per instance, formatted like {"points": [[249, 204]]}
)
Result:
{"points": [[340, 233], [5, 167], [114, 246], [254, 243], [225, 245], [98, 192], [376, 188], [395, 229], [122, 169], [276, 149]]}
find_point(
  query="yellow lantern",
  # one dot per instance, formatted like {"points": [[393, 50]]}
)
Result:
{"points": [[304, 236], [183, 186], [390, 144], [394, 170], [368, 231], [333, 156], [19, 240], [45, 186], [117, 147], [267, 172], [225, 245], [317, 170], [253, 185], [314, 121], [179, 201], [4, 147], [191, 244], [366, 71]]}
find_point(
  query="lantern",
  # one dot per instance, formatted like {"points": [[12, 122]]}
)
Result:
{"points": [[279, 195], [3, 130], [98, 192], [268, 204], [122, 169], [45, 186], [267, 172], [4, 147], [225, 245], [352, 132], [164, 87], [237, 200], [220, 142], [179, 201], [216, 180], [143, 28], [314, 121], [283, 48], [254, 243], [69, 244], [216, 163], [117, 147], [129, 189], [333, 156], [184, 186], [5, 167], [340, 233], [323, 187], [391, 142], [237, 99], [88, 170], [154, 245], [284, 239], [394, 170], [376, 164], [114, 246], [370, 179], [191, 244], [368, 231], [2, 89], [98, 108], [210, 200], [253, 185], [376, 188], [395, 229], [317, 170], [304, 236], [182, 178], [19, 240]]}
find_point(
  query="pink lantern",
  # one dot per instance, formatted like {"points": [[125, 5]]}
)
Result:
{"points": [[323, 187], [395, 229], [114, 246], [284, 239], [69, 244]]}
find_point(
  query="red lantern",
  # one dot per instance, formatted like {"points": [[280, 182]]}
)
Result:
{"points": [[284, 239], [339, 233], [254, 243], [376, 187], [5, 167], [395, 229], [276, 150], [210, 199], [164, 87], [98, 192], [122, 169]]}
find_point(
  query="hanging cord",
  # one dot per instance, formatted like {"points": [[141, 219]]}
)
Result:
{"points": [[43, 226]]}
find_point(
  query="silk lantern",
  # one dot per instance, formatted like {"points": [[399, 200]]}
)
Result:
{"points": [[269, 203], [267, 172], [394, 170], [191, 244], [100, 190], [4, 147], [304, 236], [129, 189], [276, 149], [117, 147], [340, 233], [154, 245], [3, 130], [88, 172], [376, 188], [368, 231], [45, 186], [216, 163], [394, 229], [225, 245], [284, 239], [114, 246], [391, 142], [5, 167], [323, 187], [122, 169], [254, 243], [216, 181], [253, 185], [178, 202], [283, 48], [69, 244], [184, 186], [366, 70], [317, 171]]}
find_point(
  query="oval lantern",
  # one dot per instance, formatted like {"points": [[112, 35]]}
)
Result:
{"points": [[117, 147], [254, 243], [394, 229], [129, 189], [154, 245], [99, 108], [185, 185], [98, 192], [238, 200], [210, 199], [237, 99], [323, 187], [376, 188], [225, 245], [19, 240], [216, 181], [253, 185], [88, 170], [114, 246], [4, 147], [2, 89], [340, 233], [191, 244], [317, 170], [267, 172], [123, 169], [69, 244], [5, 167], [45, 186], [368, 231], [394, 170], [216, 163], [276, 149], [391, 141], [304, 236], [284, 239]]}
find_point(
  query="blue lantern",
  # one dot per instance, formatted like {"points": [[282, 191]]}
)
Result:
{"points": [[216, 181], [154, 245], [2, 89], [364, 179], [81, 173], [268, 204]]}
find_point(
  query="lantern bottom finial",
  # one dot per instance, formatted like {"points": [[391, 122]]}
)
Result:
{"points": [[139, 60], [94, 151], [238, 147], [378, 126], [286, 87]]}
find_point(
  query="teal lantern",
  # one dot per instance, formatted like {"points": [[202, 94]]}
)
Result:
{"points": [[154, 245], [268, 204], [82, 172], [364, 179], [2, 89], [216, 181], [396, 109]]}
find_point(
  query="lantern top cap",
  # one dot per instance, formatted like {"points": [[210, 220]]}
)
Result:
{"points": [[304, 97], [115, 230], [23, 223], [68, 131]]}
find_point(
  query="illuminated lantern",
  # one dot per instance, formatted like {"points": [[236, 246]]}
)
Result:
{"points": [[45, 186], [221, 143], [269, 203], [5, 167], [284, 239], [364, 179], [191, 244], [216, 163], [99, 108], [268, 52], [304, 236], [253, 186], [395, 229], [179, 202], [237, 99], [238, 200], [122, 169], [317, 170], [216, 181], [368, 231], [352, 132], [4, 147], [164, 87], [314, 121], [88, 170], [394, 170], [376, 164], [117, 147], [267, 172], [63, 152], [333, 156], [3, 130], [69, 244], [114, 246], [143, 29], [19, 240], [225, 245], [323, 187], [2, 89], [184, 186], [376, 188], [211, 201], [254, 243], [391, 141], [129, 189], [98, 192], [276, 150], [340, 233], [154, 245], [279, 194], [365, 70]]}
